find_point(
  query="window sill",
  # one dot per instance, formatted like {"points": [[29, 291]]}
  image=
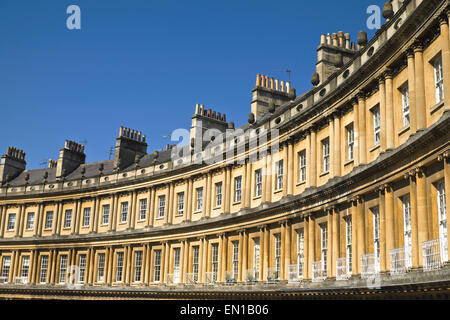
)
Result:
{"points": [[301, 183], [198, 211], [404, 130], [323, 174], [375, 148], [278, 191], [349, 162], [257, 197], [436, 107], [217, 208], [179, 215], [159, 218], [237, 203]]}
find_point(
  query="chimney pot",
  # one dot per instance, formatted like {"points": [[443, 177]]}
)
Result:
{"points": [[258, 80]]}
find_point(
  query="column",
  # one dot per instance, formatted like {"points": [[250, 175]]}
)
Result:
{"points": [[355, 257], [268, 186], [223, 260], [412, 91], [446, 159], [306, 262], [2, 219], [94, 221], [337, 146], [133, 209], [361, 230], [208, 195], [381, 202], [111, 213], [166, 262], [204, 259], [188, 204], [389, 110], [335, 243], [311, 245], [168, 213], [362, 142], [445, 45], [382, 91], [390, 227], [287, 250], [416, 247], [422, 211], [332, 143], [146, 267], [228, 190], [74, 216], [248, 188], [313, 159], [421, 116], [38, 222], [18, 220], [185, 261], [285, 167], [266, 252], [354, 102], [261, 253], [290, 168], [282, 274], [244, 256], [149, 216], [241, 256]]}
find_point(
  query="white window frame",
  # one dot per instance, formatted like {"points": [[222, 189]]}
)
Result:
{"points": [[199, 199], [43, 269], [442, 219], [124, 212], [119, 266], [324, 247], [82, 268], [157, 266], [176, 265], [350, 141], [24, 270], [195, 262], [406, 206], [438, 79], [376, 234], [300, 251], [105, 214], [161, 206], [256, 257], [219, 194], [238, 189], [405, 105], [180, 203], [277, 255], [67, 218], [235, 260], [11, 222], [348, 244], [215, 261], [279, 176], [138, 255], [376, 125], [6, 266], [258, 183], [302, 166], [62, 268], [101, 267], [326, 155], [142, 209], [48, 220], [86, 217], [30, 220]]}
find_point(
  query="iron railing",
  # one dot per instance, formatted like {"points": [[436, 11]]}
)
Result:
{"points": [[318, 273], [191, 279], [230, 278], [21, 280], [273, 275], [3, 279], [251, 276], [294, 276], [370, 265], [210, 279], [399, 261], [341, 269]]}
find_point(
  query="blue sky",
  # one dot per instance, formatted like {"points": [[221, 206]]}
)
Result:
{"points": [[144, 64]]}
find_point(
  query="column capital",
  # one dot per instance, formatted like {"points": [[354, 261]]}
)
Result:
{"points": [[361, 95], [419, 171], [444, 156], [388, 73], [417, 45], [410, 52], [443, 17], [263, 226]]}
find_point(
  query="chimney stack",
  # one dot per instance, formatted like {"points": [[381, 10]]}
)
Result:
{"points": [[70, 158], [12, 164], [129, 144], [334, 51], [270, 90]]}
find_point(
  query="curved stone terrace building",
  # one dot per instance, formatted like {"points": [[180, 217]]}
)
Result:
{"points": [[342, 190]]}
